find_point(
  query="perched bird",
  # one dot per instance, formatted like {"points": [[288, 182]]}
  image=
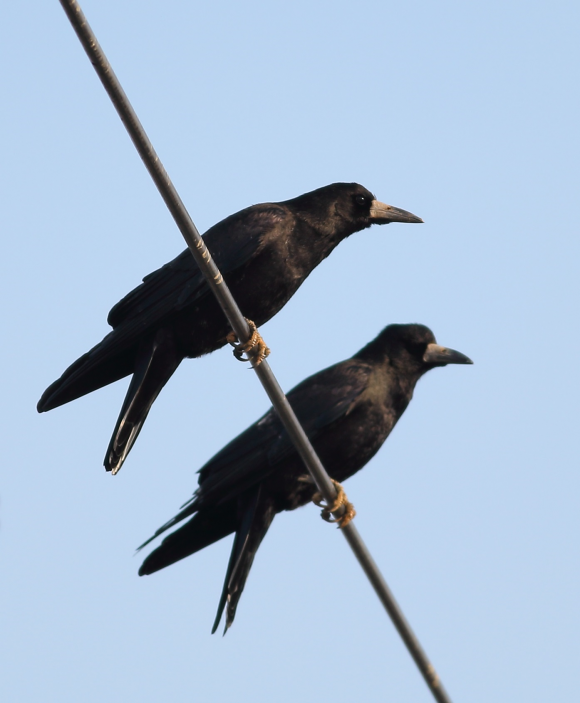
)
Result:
{"points": [[264, 252], [347, 411]]}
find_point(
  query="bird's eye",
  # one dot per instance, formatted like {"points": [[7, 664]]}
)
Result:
{"points": [[361, 200]]}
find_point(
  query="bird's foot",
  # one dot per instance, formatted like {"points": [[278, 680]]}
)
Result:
{"points": [[255, 347], [340, 500]]}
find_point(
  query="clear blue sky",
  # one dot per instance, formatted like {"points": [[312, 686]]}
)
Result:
{"points": [[467, 115]]}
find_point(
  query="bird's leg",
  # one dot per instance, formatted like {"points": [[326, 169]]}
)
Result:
{"points": [[254, 347], [340, 500]]}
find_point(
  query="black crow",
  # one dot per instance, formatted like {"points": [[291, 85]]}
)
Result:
{"points": [[347, 411], [264, 252]]}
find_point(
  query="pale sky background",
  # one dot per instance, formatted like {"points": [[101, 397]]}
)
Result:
{"points": [[466, 114]]}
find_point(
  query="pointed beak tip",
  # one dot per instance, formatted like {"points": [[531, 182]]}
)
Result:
{"points": [[459, 358], [385, 214], [436, 354]]}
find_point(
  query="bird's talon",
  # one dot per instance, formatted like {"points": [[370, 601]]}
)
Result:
{"points": [[255, 347], [340, 500]]}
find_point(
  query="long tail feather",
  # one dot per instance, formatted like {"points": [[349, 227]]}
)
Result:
{"points": [[88, 373], [255, 516], [155, 364], [203, 529]]}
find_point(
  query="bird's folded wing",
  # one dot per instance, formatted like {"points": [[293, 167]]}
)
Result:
{"points": [[318, 402], [232, 242]]}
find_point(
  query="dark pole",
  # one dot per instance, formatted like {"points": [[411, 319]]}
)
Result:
{"points": [[220, 290]]}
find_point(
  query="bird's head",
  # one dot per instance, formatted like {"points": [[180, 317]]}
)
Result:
{"points": [[359, 205], [346, 208], [411, 349]]}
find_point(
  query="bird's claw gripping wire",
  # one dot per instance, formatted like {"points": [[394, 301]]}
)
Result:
{"points": [[340, 500], [254, 348]]}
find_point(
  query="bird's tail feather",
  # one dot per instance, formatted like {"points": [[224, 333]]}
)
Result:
{"points": [[188, 509], [204, 528], [255, 515], [93, 370], [155, 364]]}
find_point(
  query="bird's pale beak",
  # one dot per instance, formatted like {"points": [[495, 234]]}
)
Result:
{"points": [[436, 354], [382, 214]]}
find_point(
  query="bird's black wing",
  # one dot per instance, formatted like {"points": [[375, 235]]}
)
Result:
{"points": [[318, 402], [245, 454], [232, 242], [163, 293]]}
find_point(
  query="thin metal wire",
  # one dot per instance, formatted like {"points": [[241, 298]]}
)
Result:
{"points": [[220, 290]]}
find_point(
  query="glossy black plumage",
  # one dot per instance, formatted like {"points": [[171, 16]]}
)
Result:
{"points": [[347, 411], [264, 252]]}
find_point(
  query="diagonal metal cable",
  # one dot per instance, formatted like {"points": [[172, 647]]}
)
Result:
{"points": [[237, 321]]}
